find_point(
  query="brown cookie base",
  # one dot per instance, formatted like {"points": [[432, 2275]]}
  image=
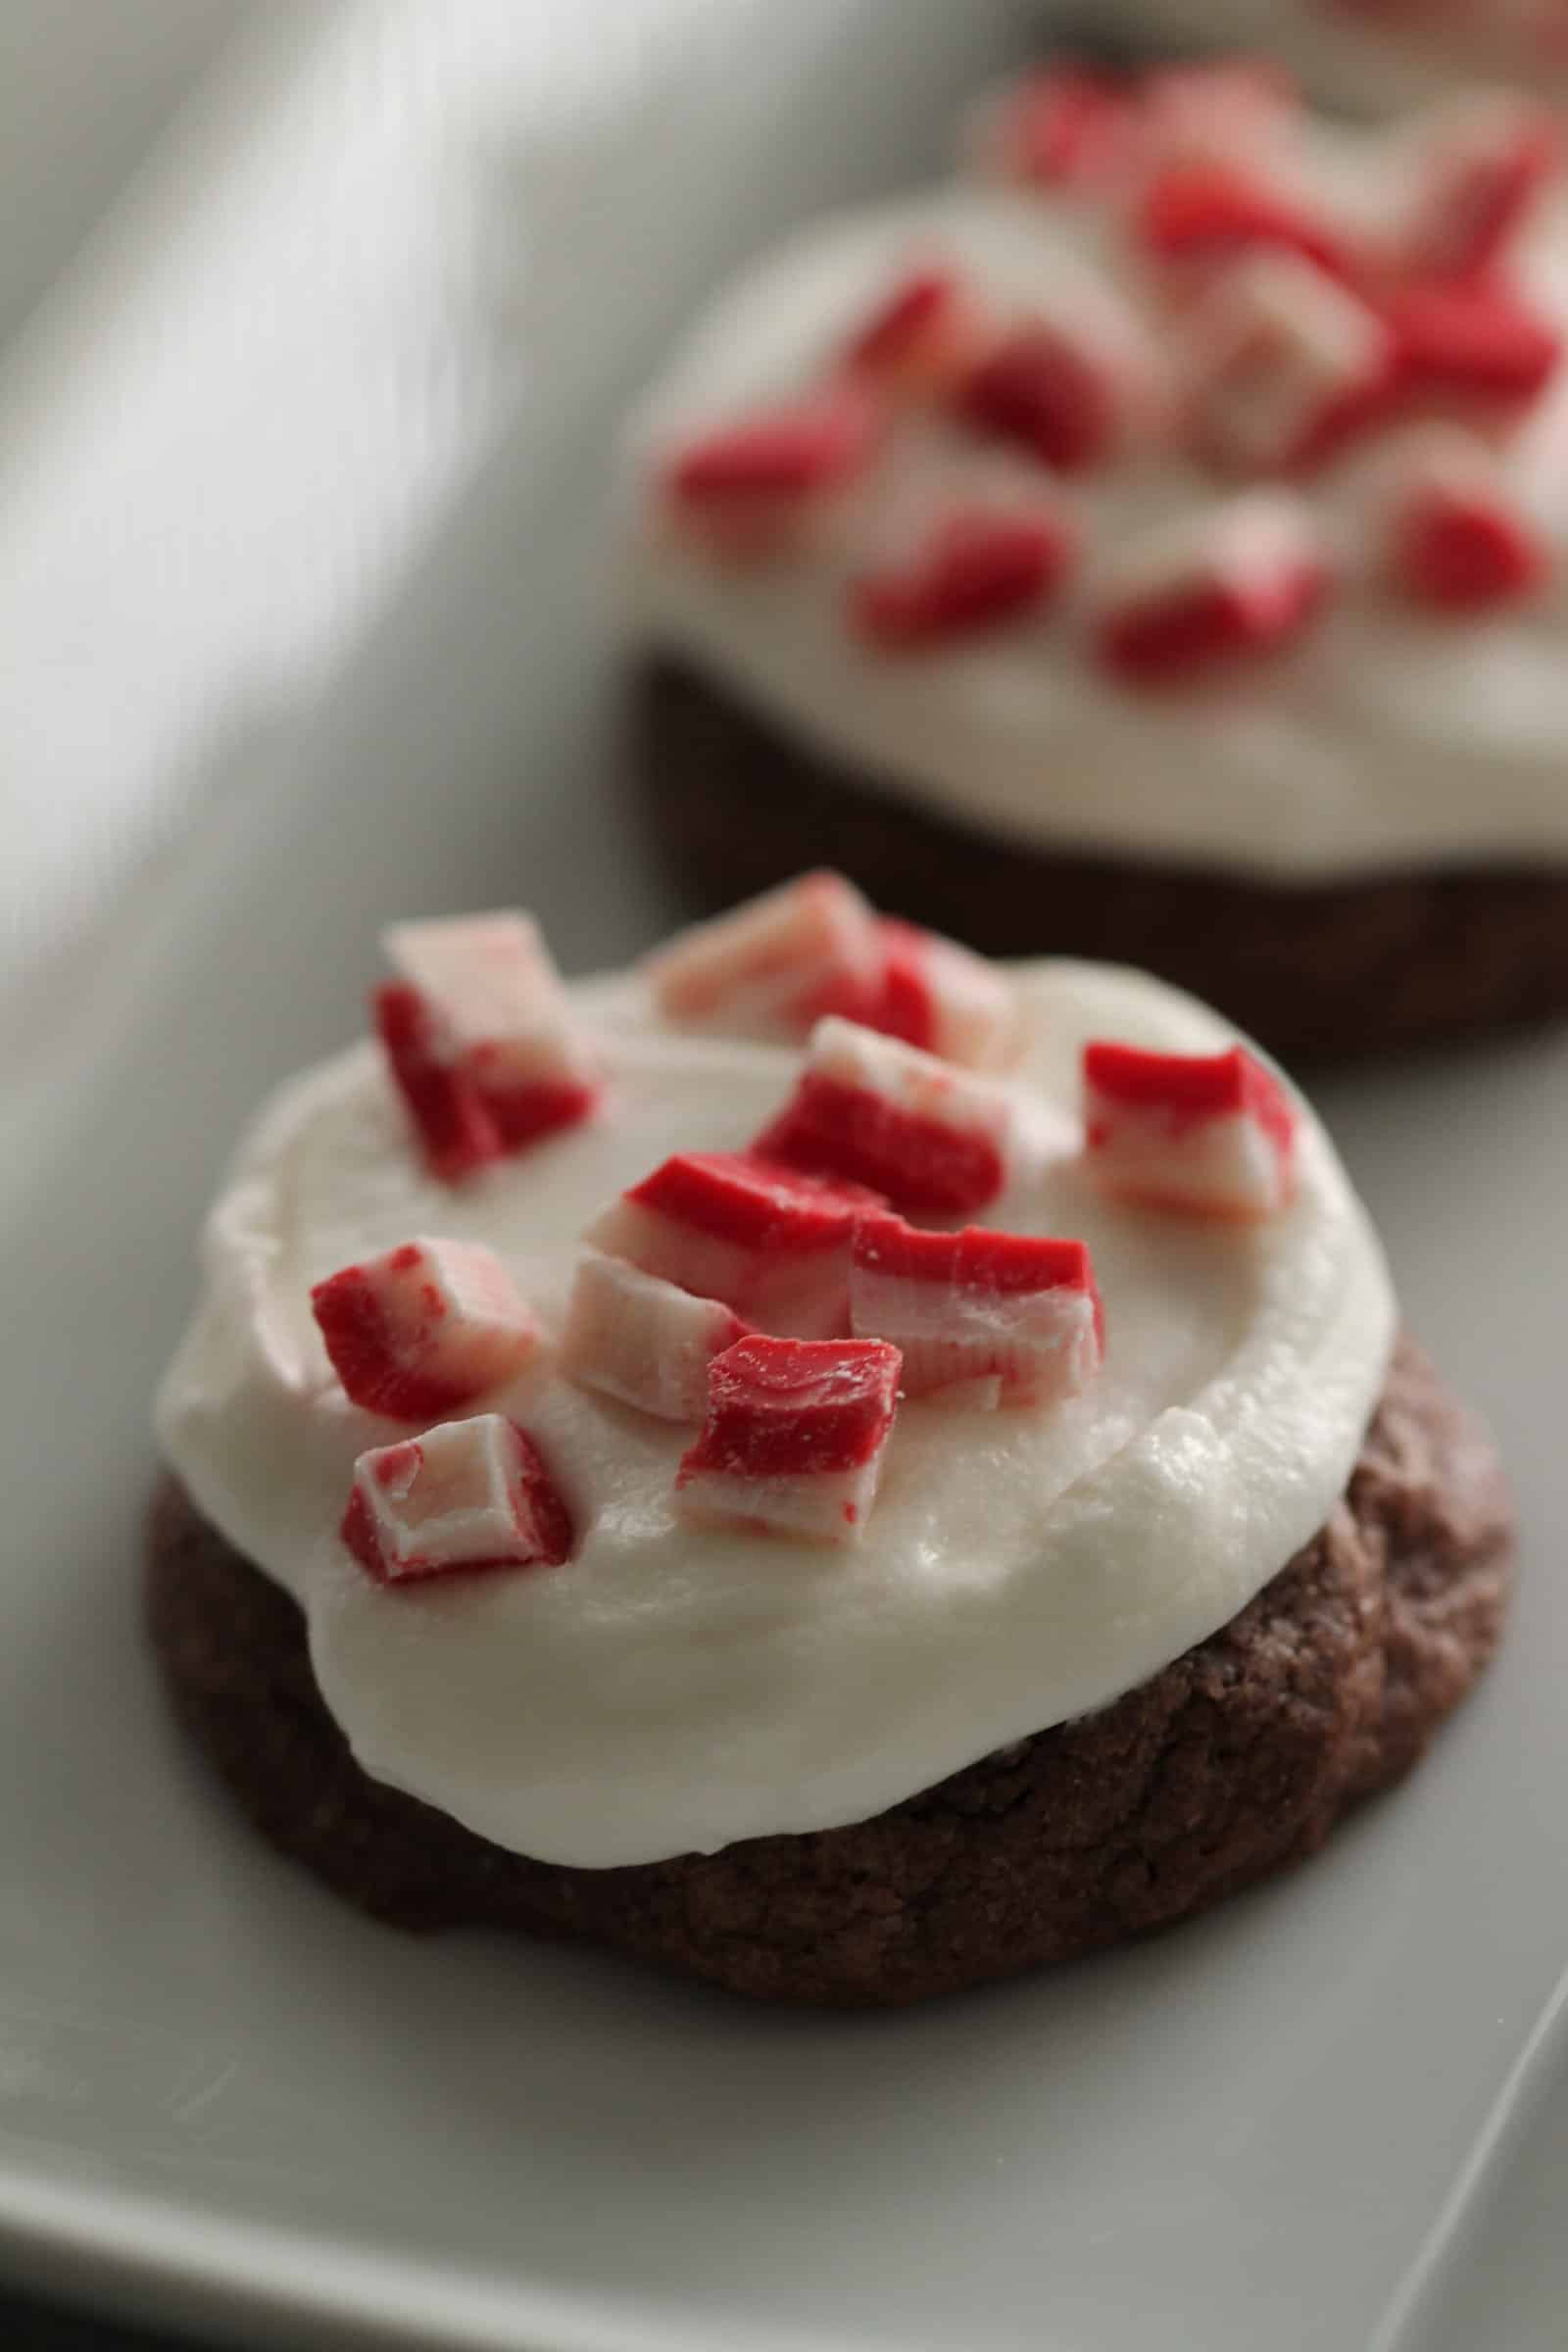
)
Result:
{"points": [[1323, 971], [1234, 1761]]}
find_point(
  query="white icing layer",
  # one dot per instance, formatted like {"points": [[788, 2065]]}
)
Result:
{"points": [[675, 1688], [1386, 740]]}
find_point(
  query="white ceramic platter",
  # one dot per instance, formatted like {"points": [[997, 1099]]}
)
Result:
{"points": [[301, 627]]}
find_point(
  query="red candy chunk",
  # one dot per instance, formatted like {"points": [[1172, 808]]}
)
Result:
{"points": [[977, 570], [1212, 113], [1474, 346], [769, 1242], [1063, 130], [749, 488], [1236, 581], [980, 1318], [794, 1437], [943, 998], [1204, 213], [1489, 157], [456, 1132], [1059, 390], [642, 1340], [480, 1040], [775, 965], [466, 1494], [1291, 366], [425, 1329], [1204, 1135], [919, 338], [869, 1109], [1454, 539]]}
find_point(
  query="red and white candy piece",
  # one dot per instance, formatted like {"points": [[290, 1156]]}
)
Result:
{"points": [[1486, 160], [1198, 216], [780, 961], [466, 1495], [1216, 112], [1059, 129], [920, 337], [980, 1318], [944, 999], [424, 1329], [870, 1111], [794, 1437], [1072, 388], [977, 569], [1225, 583], [480, 1039], [755, 487], [1205, 1134], [1290, 364], [456, 1132], [1473, 347], [642, 1340], [1453, 535], [768, 1241]]}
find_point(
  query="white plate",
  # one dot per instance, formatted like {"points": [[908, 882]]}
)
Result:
{"points": [[1313, 2123]]}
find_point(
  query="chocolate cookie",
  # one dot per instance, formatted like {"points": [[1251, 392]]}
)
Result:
{"points": [[1234, 1761], [1321, 970]]}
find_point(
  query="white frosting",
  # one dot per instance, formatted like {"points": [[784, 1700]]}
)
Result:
{"points": [[675, 1688], [1386, 740]]}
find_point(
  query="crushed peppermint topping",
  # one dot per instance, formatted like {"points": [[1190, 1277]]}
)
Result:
{"points": [[1247, 311], [1200, 1134], [793, 1435], [424, 1329], [465, 1495], [480, 1040]]}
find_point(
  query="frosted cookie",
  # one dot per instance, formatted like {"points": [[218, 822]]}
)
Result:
{"points": [[1150, 545], [833, 1518]]}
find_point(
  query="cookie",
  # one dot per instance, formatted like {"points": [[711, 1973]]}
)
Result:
{"points": [[1146, 545], [733, 804], [1235, 1761]]}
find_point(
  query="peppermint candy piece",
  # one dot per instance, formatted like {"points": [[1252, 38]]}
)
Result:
{"points": [[643, 1341], [751, 489], [870, 1111], [466, 1494], [919, 339], [766, 1240], [1453, 536], [424, 1329], [1290, 365], [1486, 160], [1207, 213], [1476, 346], [480, 1039], [1073, 388], [942, 998], [1212, 113], [1231, 582], [778, 963], [794, 1437], [1063, 130], [980, 1318], [1204, 1135], [977, 569]]}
